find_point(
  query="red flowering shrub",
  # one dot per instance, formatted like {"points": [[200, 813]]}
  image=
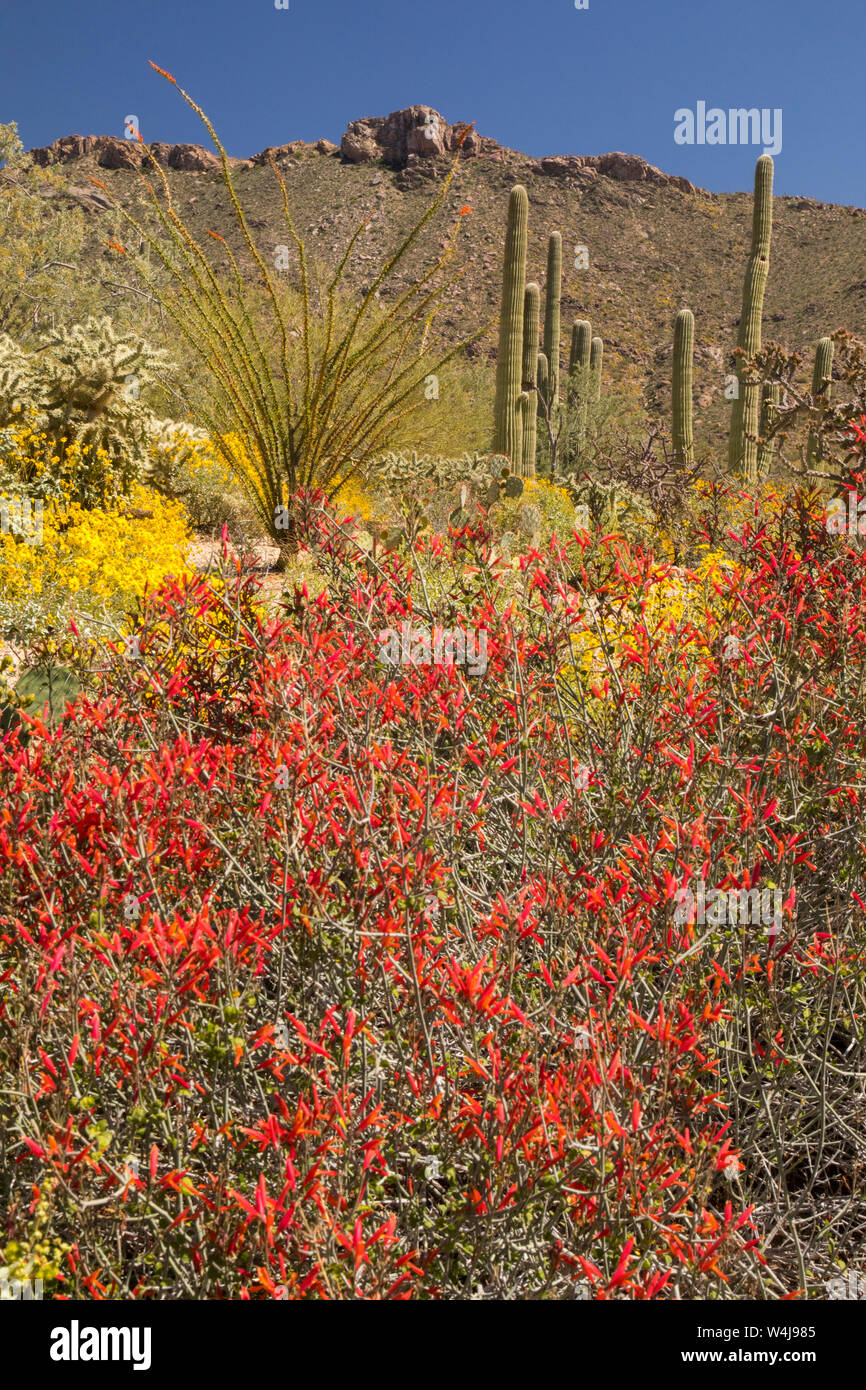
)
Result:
{"points": [[328, 978]]}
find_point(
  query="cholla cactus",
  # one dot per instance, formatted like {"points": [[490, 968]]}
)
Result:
{"points": [[173, 445], [418, 487], [612, 506], [82, 389]]}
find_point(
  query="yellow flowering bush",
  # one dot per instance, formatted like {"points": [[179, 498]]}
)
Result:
{"points": [[91, 565]]}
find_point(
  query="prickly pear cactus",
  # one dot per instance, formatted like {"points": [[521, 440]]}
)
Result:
{"points": [[43, 690], [508, 546]]}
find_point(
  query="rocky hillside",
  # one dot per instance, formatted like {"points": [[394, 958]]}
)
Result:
{"points": [[654, 241]]}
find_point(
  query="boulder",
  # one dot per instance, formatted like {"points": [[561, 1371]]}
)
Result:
{"points": [[564, 166], [88, 197], [359, 145], [193, 159], [114, 153]]}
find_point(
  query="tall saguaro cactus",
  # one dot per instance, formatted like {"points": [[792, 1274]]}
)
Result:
{"points": [[509, 361], [596, 357], [552, 295], [684, 348], [531, 318], [822, 377], [743, 445], [578, 370]]}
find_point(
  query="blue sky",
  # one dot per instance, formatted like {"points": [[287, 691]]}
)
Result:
{"points": [[538, 75]]}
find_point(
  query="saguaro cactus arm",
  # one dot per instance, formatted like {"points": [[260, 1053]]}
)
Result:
{"points": [[596, 359], [542, 375], [531, 322]]}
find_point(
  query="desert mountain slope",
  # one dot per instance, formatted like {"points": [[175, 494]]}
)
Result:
{"points": [[655, 243]]}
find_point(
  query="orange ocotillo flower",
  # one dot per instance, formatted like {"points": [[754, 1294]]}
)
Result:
{"points": [[162, 72]]}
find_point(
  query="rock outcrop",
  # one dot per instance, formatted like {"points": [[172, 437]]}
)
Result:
{"points": [[626, 168], [418, 132], [406, 140], [112, 152], [293, 148]]}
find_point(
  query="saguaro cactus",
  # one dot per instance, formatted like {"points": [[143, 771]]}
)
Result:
{"points": [[531, 315], [684, 348], [578, 371], [542, 375], [596, 357], [509, 361], [770, 397], [581, 345], [743, 445], [552, 294], [822, 378]]}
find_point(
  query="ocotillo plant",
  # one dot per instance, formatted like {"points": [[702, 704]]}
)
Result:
{"points": [[822, 377], [509, 359], [743, 445], [552, 293], [285, 419], [531, 313], [684, 347], [770, 397], [596, 357], [578, 371]]}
